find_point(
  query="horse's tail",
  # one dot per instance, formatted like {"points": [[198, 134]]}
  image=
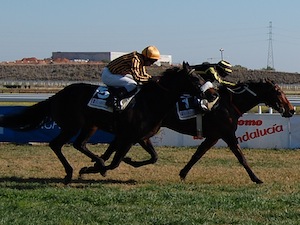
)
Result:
{"points": [[28, 119]]}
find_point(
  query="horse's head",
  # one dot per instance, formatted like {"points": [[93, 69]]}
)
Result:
{"points": [[274, 97], [180, 80]]}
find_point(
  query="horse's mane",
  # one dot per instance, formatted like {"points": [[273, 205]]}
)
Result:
{"points": [[170, 71], [155, 79]]}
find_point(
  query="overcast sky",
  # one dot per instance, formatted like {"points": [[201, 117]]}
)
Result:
{"points": [[190, 30]]}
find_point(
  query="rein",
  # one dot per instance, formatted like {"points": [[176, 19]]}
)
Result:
{"points": [[235, 107], [245, 88]]}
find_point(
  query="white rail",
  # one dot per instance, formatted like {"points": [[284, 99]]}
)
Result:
{"points": [[34, 97]]}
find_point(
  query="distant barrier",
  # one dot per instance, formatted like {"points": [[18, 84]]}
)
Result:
{"points": [[43, 134], [254, 131]]}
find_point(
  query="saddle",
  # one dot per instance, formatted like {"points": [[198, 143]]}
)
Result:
{"points": [[117, 95], [111, 98]]}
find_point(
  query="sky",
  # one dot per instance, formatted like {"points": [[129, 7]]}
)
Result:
{"points": [[192, 30]]}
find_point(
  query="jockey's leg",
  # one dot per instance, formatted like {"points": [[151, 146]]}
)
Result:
{"points": [[210, 96]]}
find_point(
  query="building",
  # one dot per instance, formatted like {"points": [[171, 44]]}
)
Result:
{"points": [[101, 56]]}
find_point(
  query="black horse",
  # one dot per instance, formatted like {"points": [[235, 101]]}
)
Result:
{"points": [[220, 123], [143, 118]]}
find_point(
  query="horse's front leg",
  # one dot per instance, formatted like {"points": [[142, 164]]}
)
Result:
{"points": [[109, 151], [147, 145], [201, 150], [122, 148]]}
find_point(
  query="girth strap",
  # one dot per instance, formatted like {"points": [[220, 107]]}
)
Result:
{"points": [[199, 125]]}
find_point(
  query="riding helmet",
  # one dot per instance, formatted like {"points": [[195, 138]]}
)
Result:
{"points": [[151, 52], [224, 68]]}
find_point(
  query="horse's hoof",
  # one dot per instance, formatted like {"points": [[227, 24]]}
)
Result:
{"points": [[103, 173], [67, 179], [182, 175], [99, 162], [127, 160], [258, 181], [82, 171]]}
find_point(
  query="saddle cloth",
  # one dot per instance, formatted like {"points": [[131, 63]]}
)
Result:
{"points": [[186, 107], [98, 100]]}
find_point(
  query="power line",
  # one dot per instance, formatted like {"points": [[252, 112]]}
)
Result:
{"points": [[270, 61]]}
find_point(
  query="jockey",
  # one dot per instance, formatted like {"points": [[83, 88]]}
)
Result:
{"points": [[211, 73], [127, 71]]}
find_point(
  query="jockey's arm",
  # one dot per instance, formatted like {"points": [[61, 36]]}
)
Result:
{"points": [[219, 79], [139, 72]]}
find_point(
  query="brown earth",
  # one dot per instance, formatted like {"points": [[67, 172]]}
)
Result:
{"points": [[90, 72]]}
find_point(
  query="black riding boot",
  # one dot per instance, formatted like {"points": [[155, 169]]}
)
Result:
{"points": [[121, 94], [207, 102]]}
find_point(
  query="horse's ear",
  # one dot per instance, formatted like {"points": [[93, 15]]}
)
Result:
{"points": [[268, 80], [186, 66]]}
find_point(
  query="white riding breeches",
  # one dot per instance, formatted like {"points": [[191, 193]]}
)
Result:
{"points": [[207, 85], [117, 80]]}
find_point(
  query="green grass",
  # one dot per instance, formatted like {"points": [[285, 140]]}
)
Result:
{"points": [[36, 203], [217, 190]]}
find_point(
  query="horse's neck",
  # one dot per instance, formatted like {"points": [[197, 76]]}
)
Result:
{"points": [[159, 100], [244, 99]]}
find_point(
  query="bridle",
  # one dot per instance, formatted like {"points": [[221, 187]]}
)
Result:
{"points": [[245, 88]]}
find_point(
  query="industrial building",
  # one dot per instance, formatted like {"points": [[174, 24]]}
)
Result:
{"points": [[101, 56]]}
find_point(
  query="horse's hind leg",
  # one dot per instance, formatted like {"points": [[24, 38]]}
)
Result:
{"points": [[81, 141], [201, 150], [147, 145], [56, 145], [235, 148]]}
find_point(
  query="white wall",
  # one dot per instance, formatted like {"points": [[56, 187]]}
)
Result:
{"points": [[265, 131]]}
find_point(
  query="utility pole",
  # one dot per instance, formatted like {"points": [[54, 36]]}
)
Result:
{"points": [[221, 50], [270, 62]]}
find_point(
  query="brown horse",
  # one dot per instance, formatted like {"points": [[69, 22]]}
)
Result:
{"points": [[220, 123], [143, 118]]}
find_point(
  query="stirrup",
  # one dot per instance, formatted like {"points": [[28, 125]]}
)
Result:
{"points": [[110, 101], [203, 105], [117, 105], [210, 105]]}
